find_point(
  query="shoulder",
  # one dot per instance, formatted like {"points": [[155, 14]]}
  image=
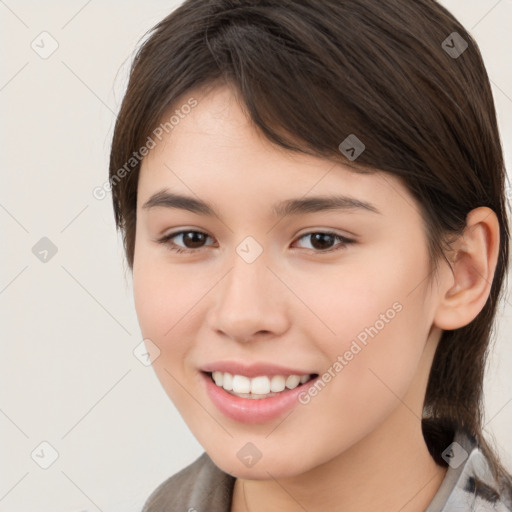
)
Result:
{"points": [[199, 486], [469, 484]]}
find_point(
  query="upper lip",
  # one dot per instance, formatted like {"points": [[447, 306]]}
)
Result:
{"points": [[252, 370]]}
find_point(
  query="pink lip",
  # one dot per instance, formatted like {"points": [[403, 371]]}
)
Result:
{"points": [[253, 370], [248, 410]]}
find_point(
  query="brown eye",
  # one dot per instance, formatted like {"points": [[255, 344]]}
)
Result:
{"points": [[323, 241], [192, 241]]}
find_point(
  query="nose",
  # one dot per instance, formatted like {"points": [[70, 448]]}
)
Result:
{"points": [[250, 303]]}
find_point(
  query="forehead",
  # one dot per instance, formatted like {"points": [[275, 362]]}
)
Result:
{"points": [[215, 151]]}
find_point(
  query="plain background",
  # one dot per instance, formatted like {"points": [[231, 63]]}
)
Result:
{"points": [[68, 373]]}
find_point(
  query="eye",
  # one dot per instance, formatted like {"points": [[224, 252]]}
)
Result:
{"points": [[193, 241], [194, 238], [321, 239]]}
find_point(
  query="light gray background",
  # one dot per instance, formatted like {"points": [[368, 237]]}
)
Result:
{"points": [[69, 328]]}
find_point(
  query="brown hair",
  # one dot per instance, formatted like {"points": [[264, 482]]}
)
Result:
{"points": [[312, 72]]}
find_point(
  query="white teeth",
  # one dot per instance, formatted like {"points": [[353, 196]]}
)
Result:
{"points": [[278, 383], [227, 381], [292, 381], [241, 384], [217, 377], [261, 385]]}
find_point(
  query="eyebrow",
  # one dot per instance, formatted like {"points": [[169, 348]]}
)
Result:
{"points": [[285, 208]]}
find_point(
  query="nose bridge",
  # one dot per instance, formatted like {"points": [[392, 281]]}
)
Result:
{"points": [[248, 300]]}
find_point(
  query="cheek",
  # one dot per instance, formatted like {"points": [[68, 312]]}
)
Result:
{"points": [[163, 305], [150, 304], [163, 296], [168, 306], [376, 324]]}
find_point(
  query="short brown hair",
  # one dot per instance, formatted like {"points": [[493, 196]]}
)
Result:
{"points": [[311, 72]]}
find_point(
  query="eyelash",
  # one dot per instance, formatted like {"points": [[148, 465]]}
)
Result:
{"points": [[175, 248]]}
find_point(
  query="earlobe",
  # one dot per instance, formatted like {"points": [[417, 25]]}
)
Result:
{"points": [[465, 288]]}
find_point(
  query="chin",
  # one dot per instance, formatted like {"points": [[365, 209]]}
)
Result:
{"points": [[279, 466]]}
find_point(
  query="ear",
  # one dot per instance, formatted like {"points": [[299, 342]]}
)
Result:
{"points": [[465, 287]]}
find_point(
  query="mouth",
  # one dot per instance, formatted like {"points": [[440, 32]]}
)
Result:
{"points": [[260, 387], [258, 399]]}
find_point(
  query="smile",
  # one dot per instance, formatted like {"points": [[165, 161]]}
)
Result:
{"points": [[262, 386], [260, 406]]}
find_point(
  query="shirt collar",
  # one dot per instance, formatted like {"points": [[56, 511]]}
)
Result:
{"points": [[468, 483]]}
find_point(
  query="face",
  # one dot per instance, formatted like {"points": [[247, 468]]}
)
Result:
{"points": [[339, 294]]}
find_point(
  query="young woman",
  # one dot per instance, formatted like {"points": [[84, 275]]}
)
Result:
{"points": [[311, 195]]}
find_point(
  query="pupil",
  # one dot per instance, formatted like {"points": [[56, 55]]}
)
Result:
{"points": [[194, 238], [318, 237]]}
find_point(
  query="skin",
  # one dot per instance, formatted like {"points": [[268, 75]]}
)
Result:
{"points": [[357, 446]]}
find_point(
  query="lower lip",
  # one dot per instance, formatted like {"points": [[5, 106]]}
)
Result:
{"points": [[253, 410]]}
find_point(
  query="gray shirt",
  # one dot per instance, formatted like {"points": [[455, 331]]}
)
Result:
{"points": [[468, 485]]}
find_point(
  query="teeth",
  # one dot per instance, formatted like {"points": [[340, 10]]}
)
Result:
{"points": [[278, 383], [261, 385], [217, 377], [292, 381], [227, 381], [241, 384]]}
